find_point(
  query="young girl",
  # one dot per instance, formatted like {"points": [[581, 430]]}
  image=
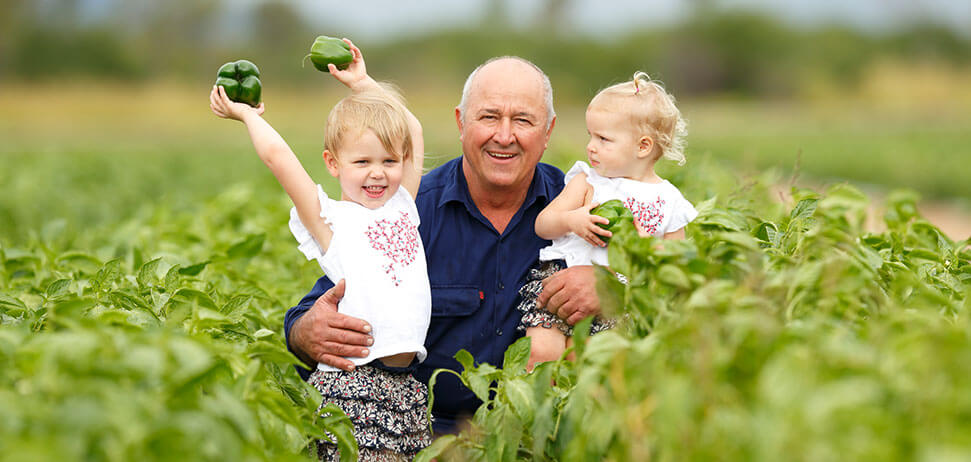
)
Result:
{"points": [[631, 125], [370, 239]]}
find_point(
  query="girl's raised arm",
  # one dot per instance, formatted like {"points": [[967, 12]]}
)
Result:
{"points": [[280, 159]]}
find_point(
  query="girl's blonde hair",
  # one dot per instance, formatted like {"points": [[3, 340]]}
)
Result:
{"points": [[382, 112], [651, 110]]}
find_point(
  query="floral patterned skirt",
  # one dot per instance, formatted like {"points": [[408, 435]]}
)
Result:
{"points": [[388, 409], [533, 317]]}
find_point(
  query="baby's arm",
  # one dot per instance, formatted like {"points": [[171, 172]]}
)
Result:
{"points": [[280, 159], [679, 234], [570, 211], [356, 78]]}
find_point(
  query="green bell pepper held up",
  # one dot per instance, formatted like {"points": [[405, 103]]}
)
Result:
{"points": [[241, 79], [618, 215], [327, 50]]}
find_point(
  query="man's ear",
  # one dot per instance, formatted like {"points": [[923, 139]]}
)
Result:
{"points": [[645, 146], [549, 132], [331, 162], [458, 120]]}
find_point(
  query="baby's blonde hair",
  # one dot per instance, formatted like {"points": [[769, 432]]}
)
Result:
{"points": [[382, 112], [652, 112]]}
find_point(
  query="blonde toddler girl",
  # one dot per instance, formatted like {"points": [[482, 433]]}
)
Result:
{"points": [[631, 125]]}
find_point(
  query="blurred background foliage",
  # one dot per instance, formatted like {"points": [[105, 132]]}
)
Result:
{"points": [[742, 52]]}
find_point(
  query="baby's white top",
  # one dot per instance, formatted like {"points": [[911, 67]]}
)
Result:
{"points": [[380, 256], [659, 207]]}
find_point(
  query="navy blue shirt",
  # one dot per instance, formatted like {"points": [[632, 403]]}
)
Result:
{"points": [[475, 275]]}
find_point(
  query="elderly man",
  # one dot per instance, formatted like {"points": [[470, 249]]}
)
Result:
{"points": [[477, 215]]}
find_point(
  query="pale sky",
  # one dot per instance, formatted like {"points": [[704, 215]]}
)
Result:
{"points": [[384, 19]]}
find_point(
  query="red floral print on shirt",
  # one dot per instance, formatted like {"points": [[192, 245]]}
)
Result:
{"points": [[397, 241], [648, 214]]}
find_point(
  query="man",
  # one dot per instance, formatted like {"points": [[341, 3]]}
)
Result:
{"points": [[477, 216]]}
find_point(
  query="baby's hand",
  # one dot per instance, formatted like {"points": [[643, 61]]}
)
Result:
{"points": [[226, 108], [584, 224], [355, 75]]}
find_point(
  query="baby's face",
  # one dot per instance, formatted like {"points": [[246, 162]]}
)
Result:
{"points": [[613, 146], [369, 175]]}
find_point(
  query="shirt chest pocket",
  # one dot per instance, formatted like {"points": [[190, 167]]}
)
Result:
{"points": [[451, 300]]}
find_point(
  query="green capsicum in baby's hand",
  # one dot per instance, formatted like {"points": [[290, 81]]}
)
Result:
{"points": [[241, 79], [617, 215], [329, 50]]}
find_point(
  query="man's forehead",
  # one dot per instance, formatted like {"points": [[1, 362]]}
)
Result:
{"points": [[517, 91]]}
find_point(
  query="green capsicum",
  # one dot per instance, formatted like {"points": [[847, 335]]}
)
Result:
{"points": [[241, 79], [617, 214], [329, 50]]}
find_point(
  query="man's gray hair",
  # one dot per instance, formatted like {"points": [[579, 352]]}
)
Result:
{"points": [[547, 88]]}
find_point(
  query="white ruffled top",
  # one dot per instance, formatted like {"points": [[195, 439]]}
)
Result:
{"points": [[380, 256], [659, 207]]}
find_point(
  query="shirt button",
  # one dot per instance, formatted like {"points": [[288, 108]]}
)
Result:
{"points": [[501, 286], [499, 332]]}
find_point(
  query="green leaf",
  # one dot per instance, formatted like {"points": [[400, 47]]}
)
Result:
{"points": [[194, 270], [79, 260], [517, 357], [520, 397], [147, 274], [465, 359], [804, 209], [58, 288], [235, 303], [11, 306], [196, 297], [674, 276], [480, 379], [108, 274], [333, 420], [436, 449], [248, 247], [581, 331]]}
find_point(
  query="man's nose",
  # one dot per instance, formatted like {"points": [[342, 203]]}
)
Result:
{"points": [[504, 134]]}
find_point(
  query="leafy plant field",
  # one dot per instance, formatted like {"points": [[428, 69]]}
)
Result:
{"points": [[145, 266], [772, 333]]}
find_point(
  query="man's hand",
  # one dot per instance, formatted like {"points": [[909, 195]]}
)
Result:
{"points": [[323, 335], [570, 294]]}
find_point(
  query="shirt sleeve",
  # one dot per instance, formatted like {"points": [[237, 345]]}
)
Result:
{"points": [[305, 241], [682, 214], [578, 167]]}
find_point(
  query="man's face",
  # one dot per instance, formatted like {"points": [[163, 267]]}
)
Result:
{"points": [[504, 129]]}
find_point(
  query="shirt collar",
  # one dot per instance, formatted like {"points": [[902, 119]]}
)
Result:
{"points": [[458, 189]]}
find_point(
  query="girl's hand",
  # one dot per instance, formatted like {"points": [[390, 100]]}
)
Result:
{"points": [[584, 224], [355, 76], [226, 108]]}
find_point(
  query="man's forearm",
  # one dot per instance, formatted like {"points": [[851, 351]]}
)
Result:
{"points": [[290, 321], [293, 341]]}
